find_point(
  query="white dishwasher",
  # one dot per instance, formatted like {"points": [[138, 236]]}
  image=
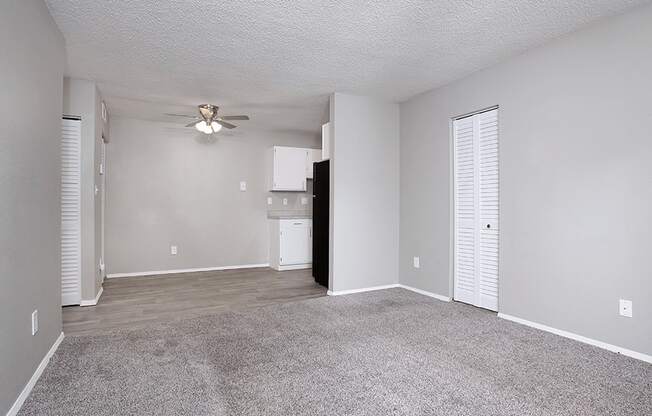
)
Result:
{"points": [[290, 243]]}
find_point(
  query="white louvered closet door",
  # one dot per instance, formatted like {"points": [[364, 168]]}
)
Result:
{"points": [[476, 209], [71, 212]]}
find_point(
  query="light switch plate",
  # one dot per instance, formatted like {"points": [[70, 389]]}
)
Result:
{"points": [[173, 250], [625, 308], [415, 262], [304, 200], [35, 322], [269, 200], [285, 201], [243, 186]]}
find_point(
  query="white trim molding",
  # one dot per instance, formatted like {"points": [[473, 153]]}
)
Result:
{"points": [[426, 293], [32, 381], [200, 269], [363, 289], [372, 288], [293, 267], [580, 338], [93, 302]]}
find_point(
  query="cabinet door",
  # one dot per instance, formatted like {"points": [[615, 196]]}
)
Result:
{"points": [[289, 169], [313, 155], [296, 242], [325, 141], [309, 162]]}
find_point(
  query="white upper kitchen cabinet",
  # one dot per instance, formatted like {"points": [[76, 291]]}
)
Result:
{"points": [[314, 155], [326, 132], [287, 168]]}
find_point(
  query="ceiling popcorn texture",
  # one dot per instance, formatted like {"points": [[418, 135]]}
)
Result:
{"points": [[279, 60]]}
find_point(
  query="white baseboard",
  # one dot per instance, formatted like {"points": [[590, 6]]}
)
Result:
{"points": [[32, 381], [293, 267], [580, 338], [92, 302], [200, 269], [369, 289], [364, 289], [426, 293]]}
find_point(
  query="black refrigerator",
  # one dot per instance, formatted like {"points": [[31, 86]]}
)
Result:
{"points": [[320, 220]]}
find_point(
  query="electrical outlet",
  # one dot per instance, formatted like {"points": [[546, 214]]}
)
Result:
{"points": [[285, 201], [35, 322], [415, 262], [269, 200], [173, 250], [304, 200], [625, 308], [243, 186]]}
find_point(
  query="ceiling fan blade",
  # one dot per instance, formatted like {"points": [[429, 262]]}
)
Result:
{"points": [[234, 118], [225, 124], [179, 115], [193, 123]]}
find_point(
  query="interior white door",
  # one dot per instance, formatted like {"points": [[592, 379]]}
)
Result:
{"points": [[477, 203], [71, 212], [296, 242]]}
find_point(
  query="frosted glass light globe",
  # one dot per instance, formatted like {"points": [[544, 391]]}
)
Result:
{"points": [[201, 126]]}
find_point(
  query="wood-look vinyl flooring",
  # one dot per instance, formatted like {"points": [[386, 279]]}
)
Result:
{"points": [[133, 302]]}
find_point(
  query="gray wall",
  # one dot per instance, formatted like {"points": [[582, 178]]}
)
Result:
{"points": [[167, 184], [576, 181], [31, 74], [365, 192], [81, 98]]}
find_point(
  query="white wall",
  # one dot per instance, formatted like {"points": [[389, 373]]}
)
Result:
{"points": [[576, 181], [167, 184], [365, 192], [31, 75]]}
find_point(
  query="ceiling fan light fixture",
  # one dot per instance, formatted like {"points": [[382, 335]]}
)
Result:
{"points": [[208, 121]]}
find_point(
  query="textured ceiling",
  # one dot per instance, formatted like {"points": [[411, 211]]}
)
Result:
{"points": [[278, 60]]}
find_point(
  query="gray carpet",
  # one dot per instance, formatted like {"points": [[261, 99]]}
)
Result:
{"points": [[389, 352]]}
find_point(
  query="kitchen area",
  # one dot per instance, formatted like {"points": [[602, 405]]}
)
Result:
{"points": [[299, 234]]}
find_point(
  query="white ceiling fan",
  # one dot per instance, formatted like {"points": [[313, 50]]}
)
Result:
{"points": [[208, 121]]}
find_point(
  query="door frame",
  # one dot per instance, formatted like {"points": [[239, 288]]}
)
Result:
{"points": [[453, 203]]}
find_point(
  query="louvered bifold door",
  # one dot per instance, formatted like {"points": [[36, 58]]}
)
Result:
{"points": [[465, 210], [476, 209], [487, 123], [71, 212]]}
